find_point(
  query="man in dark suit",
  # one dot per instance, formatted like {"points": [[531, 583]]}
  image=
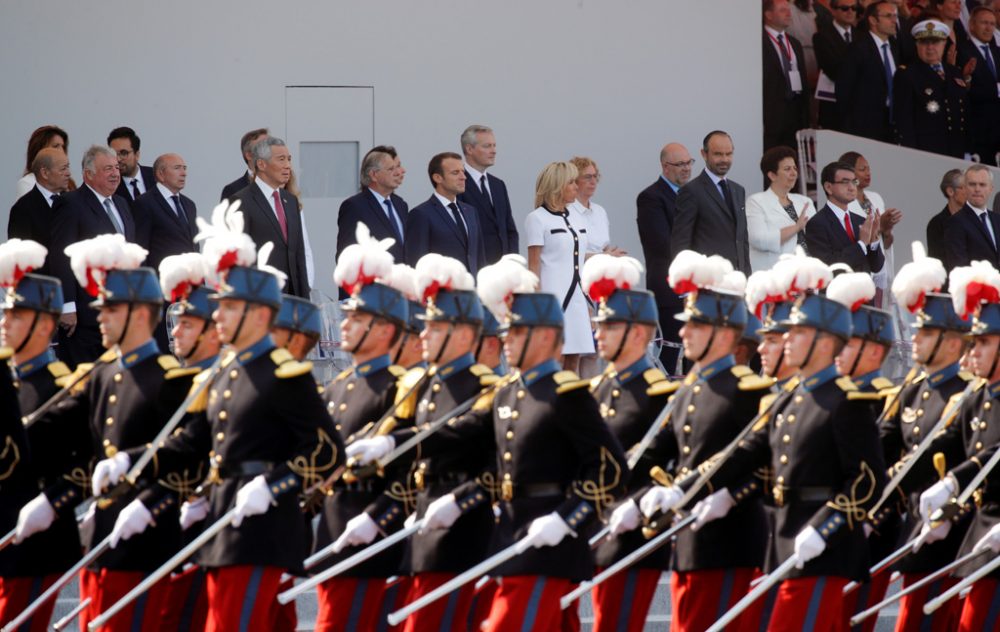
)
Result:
{"points": [[376, 206], [711, 210], [245, 179], [487, 193], [135, 178], [443, 224], [93, 209], [831, 43], [864, 85], [165, 218], [271, 214], [984, 89], [31, 215], [971, 233], [834, 234], [786, 96], [656, 206]]}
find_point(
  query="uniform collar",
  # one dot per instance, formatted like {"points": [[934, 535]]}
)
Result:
{"points": [[635, 369], [865, 381], [375, 364], [139, 354], [819, 378], [780, 384], [539, 371], [41, 360], [456, 366], [206, 363], [940, 377], [255, 350], [995, 390], [498, 370], [720, 365]]}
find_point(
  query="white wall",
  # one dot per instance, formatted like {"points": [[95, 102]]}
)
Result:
{"points": [[612, 80]]}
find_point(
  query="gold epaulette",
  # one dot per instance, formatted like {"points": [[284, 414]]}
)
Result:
{"points": [[741, 371], [479, 370], [965, 375], [200, 403], [882, 384], [846, 384], [792, 383], [6, 353], [181, 372], [167, 362], [405, 388], [754, 382], [923, 376], [228, 358], [281, 355], [485, 400], [653, 375], [766, 401], [81, 369], [108, 356], [292, 369], [980, 382], [865, 395], [596, 380], [568, 381], [488, 379], [396, 370], [664, 387], [409, 379], [58, 369]]}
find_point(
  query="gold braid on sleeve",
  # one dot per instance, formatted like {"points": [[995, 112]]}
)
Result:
{"points": [[403, 493], [183, 483], [488, 481], [79, 477], [852, 506], [10, 456], [310, 468], [598, 492]]}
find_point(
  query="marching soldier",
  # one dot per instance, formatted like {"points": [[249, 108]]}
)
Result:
{"points": [[32, 305], [408, 351], [557, 463], [297, 327], [122, 406], [489, 350]]}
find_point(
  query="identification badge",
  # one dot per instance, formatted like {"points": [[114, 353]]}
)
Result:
{"points": [[795, 79]]}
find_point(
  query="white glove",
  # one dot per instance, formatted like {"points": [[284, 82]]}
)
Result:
{"points": [[37, 515], [549, 530], [410, 520], [928, 535], [361, 529], [367, 451], [937, 496], [712, 508], [991, 540], [109, 471], [132, 520], [442, 513], [252, 499], [808, 545], [624, 518], [661, 499], [87, 522], [193, 512]]}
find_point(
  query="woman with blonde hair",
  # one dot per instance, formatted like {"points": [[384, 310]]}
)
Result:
{"points": [[557, 246]]}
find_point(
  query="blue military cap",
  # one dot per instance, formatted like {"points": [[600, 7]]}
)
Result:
{"points": [[252, 285], [380, 300], [535, 309], [774, 316], [490, 325], [873, 325], [938, 312], [822, 313], [198, 303], [138, 285], [454, 306], [714, 307], [299, 315], [36, 292], [986, 322], [752, 329], [629, 306], [414, 310]]}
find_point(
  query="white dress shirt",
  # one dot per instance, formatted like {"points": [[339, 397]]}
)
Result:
{"points": [[45, 194], [137, 179], [445, 202], [477, 175]]}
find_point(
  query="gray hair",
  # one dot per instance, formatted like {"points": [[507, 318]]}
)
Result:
{"points": [[979, 167], [372, 162], [261, 150], [952, 179], [91, 155], [469, 135]]}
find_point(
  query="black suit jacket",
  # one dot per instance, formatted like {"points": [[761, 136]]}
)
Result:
{"points": [[430, 227], [966, 239], [705, 224], [862, 89], [80, 216], [656, 207], [160, 230], [365, 208], [785, 112], [148, 180], [831, 48], [260, 222], [31, 218], [235, 186], [496, 219], [935, 234], [827, 240], [983, 100]]}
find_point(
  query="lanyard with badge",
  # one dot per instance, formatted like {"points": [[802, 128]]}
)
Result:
{"points": [[794, 78]]}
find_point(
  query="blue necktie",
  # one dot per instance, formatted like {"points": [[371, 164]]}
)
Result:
{"points": [[887, 66], [989, 60], [394, 220]]}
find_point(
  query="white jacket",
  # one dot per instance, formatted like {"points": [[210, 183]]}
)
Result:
{"points": [[765, 219]]}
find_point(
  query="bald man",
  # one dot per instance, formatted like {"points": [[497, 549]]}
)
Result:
{"points": [[655, 216], [164, 218], [31, 215]]}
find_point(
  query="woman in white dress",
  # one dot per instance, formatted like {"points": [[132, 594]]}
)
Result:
{"points": [[776, 218], [42, 138], [598, 227], [557, 246]]}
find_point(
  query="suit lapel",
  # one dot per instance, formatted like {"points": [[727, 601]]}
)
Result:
{"points": [[715, 193], [379, 212], [98, 210], [448, 219], [265, 208]]}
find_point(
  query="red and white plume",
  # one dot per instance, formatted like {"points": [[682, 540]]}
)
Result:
{"points": [[436, 272], [734, 282], [363, 262], [973, 285], [179, 274], [90, 259], [922, 275], [800, 273], [226, 245], [764, 287], [496, 284], [403, 279], [603, 274], [18, 257], [690, 271], [851, 289]]}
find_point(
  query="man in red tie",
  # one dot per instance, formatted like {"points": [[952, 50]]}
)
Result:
{"points": [[272, 214], [834, 235]]}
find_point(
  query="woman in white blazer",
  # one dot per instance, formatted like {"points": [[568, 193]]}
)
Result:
{"points": [[776, 218]]}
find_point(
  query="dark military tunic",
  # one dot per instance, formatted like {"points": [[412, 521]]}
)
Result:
{"points": [[930, 111], [17, 478]]}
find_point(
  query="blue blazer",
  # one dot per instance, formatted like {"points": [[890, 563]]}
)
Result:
{"points": [[159, 230], [365, 208], [827, 240], [966, 239], [499, 230], [430, 227]]}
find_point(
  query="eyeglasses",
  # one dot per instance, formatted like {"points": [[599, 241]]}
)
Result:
{"points": [[846, 7], [124, 153], [687, 163], [587, 177], [853, 181]]}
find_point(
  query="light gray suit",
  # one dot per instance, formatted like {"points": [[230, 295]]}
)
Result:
{"points": [[704, 223]]}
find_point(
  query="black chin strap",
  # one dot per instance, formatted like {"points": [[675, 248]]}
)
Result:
{"points": [[27, 337], [812, 347], [857, 358], [444, 345], [524, 349], [777, 365], [993, 367], [239, 326], [399, 352], [937, 345], [621, 343], [197, 342], [128, 321], [708, 345]]}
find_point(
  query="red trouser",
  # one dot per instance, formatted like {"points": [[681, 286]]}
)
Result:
{"points": [[862, 598], [699, 598], [482, 602], [981, 611], [17, 593], [622, 601], [186, 605], [809, 603], [527, 602], [105, 587], [445, 614], [911, 616], [347, 604], [242, 598]]}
